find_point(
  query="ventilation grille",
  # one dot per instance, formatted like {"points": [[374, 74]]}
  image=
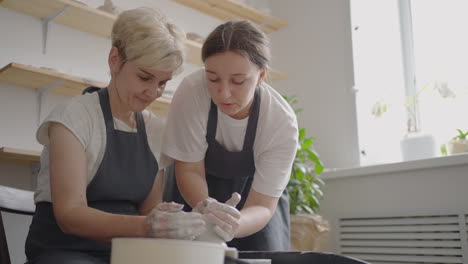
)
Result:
{"points": [[466, 232], [403, 240]]}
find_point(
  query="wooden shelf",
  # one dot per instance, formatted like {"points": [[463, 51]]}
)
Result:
{"points": [[19, 155], [232, 9], [37, 78], [276, 75], [77, 15], [94, 21]]}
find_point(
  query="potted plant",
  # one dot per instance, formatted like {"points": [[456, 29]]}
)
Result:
{"points": [[416, 144], [308, 229], [458, 144]]}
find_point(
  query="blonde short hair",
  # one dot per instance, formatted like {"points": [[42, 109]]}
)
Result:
{"points": [[145, 37]]}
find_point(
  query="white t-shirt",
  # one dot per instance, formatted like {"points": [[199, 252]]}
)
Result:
{"points": [[82, 115], [275, 142]]}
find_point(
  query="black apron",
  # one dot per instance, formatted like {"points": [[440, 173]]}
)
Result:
{"points": [[228, 172], [122, 182]]}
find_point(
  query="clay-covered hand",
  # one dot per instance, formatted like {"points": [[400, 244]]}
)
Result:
{"points": [[167, 220], [224, 216], [202, 206]]}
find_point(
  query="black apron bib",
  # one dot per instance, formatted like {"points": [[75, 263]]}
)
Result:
{"points": [[123, 180], [228, 172]]}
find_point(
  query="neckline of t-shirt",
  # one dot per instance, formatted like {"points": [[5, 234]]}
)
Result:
{"points": [[122, 126], [232, 121]]}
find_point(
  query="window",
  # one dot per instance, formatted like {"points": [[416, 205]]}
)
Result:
{"points": [[410, 63]]}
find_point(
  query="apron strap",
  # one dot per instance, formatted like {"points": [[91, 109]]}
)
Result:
{"points": [[141, 129], [106, 110], [252, 123], [212, 123], [251, 130]]}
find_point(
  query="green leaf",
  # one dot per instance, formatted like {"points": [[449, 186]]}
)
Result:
{"points": [[302, 133], [293, 182], [443, 150], [308, 210], [302, 168], [461, 135], [305, 186], [307, 144], [320, 181]]}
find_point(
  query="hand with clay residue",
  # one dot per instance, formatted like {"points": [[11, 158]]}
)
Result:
{"points": [[167, 220]]}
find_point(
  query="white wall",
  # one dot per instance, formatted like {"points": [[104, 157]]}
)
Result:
{"points": [[315, 50]]}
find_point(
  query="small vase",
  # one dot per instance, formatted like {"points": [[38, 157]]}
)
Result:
{"points": [[416, 146]]}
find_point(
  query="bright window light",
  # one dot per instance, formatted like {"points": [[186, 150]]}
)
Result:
{"points": [[410, 81]]}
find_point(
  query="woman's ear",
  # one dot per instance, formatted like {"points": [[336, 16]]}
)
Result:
{"points": [[262, 76], [114, 60]]}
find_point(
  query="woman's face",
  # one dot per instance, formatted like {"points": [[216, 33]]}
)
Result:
{"points": [[138, 87], [231, 79]]}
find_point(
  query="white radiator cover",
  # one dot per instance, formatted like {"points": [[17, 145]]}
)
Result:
{"points": [[405, 239]]}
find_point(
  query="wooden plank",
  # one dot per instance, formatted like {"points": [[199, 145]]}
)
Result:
{"points": [[232, 9], [36, 78], [267, 22], [77, 15], [160, 106], [87, 19], [208, 9], [19, 155], [94, 21], [35, 8], [193, 52], [276, 75]]}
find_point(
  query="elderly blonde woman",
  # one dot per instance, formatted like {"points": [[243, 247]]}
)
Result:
{"points": [[99, 167]]}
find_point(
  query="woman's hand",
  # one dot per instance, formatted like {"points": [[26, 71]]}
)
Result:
{"points": [[167, 220], [224, 216]]}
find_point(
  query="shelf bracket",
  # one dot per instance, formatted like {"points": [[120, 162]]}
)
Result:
{"points": [[41, 93], [45, 26]]}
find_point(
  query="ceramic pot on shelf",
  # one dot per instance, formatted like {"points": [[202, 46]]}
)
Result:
{"points": [[457, 146]]}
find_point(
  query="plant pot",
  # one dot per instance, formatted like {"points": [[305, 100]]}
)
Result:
{"points": [[416, 146], [457, 146], [309, 232]]}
